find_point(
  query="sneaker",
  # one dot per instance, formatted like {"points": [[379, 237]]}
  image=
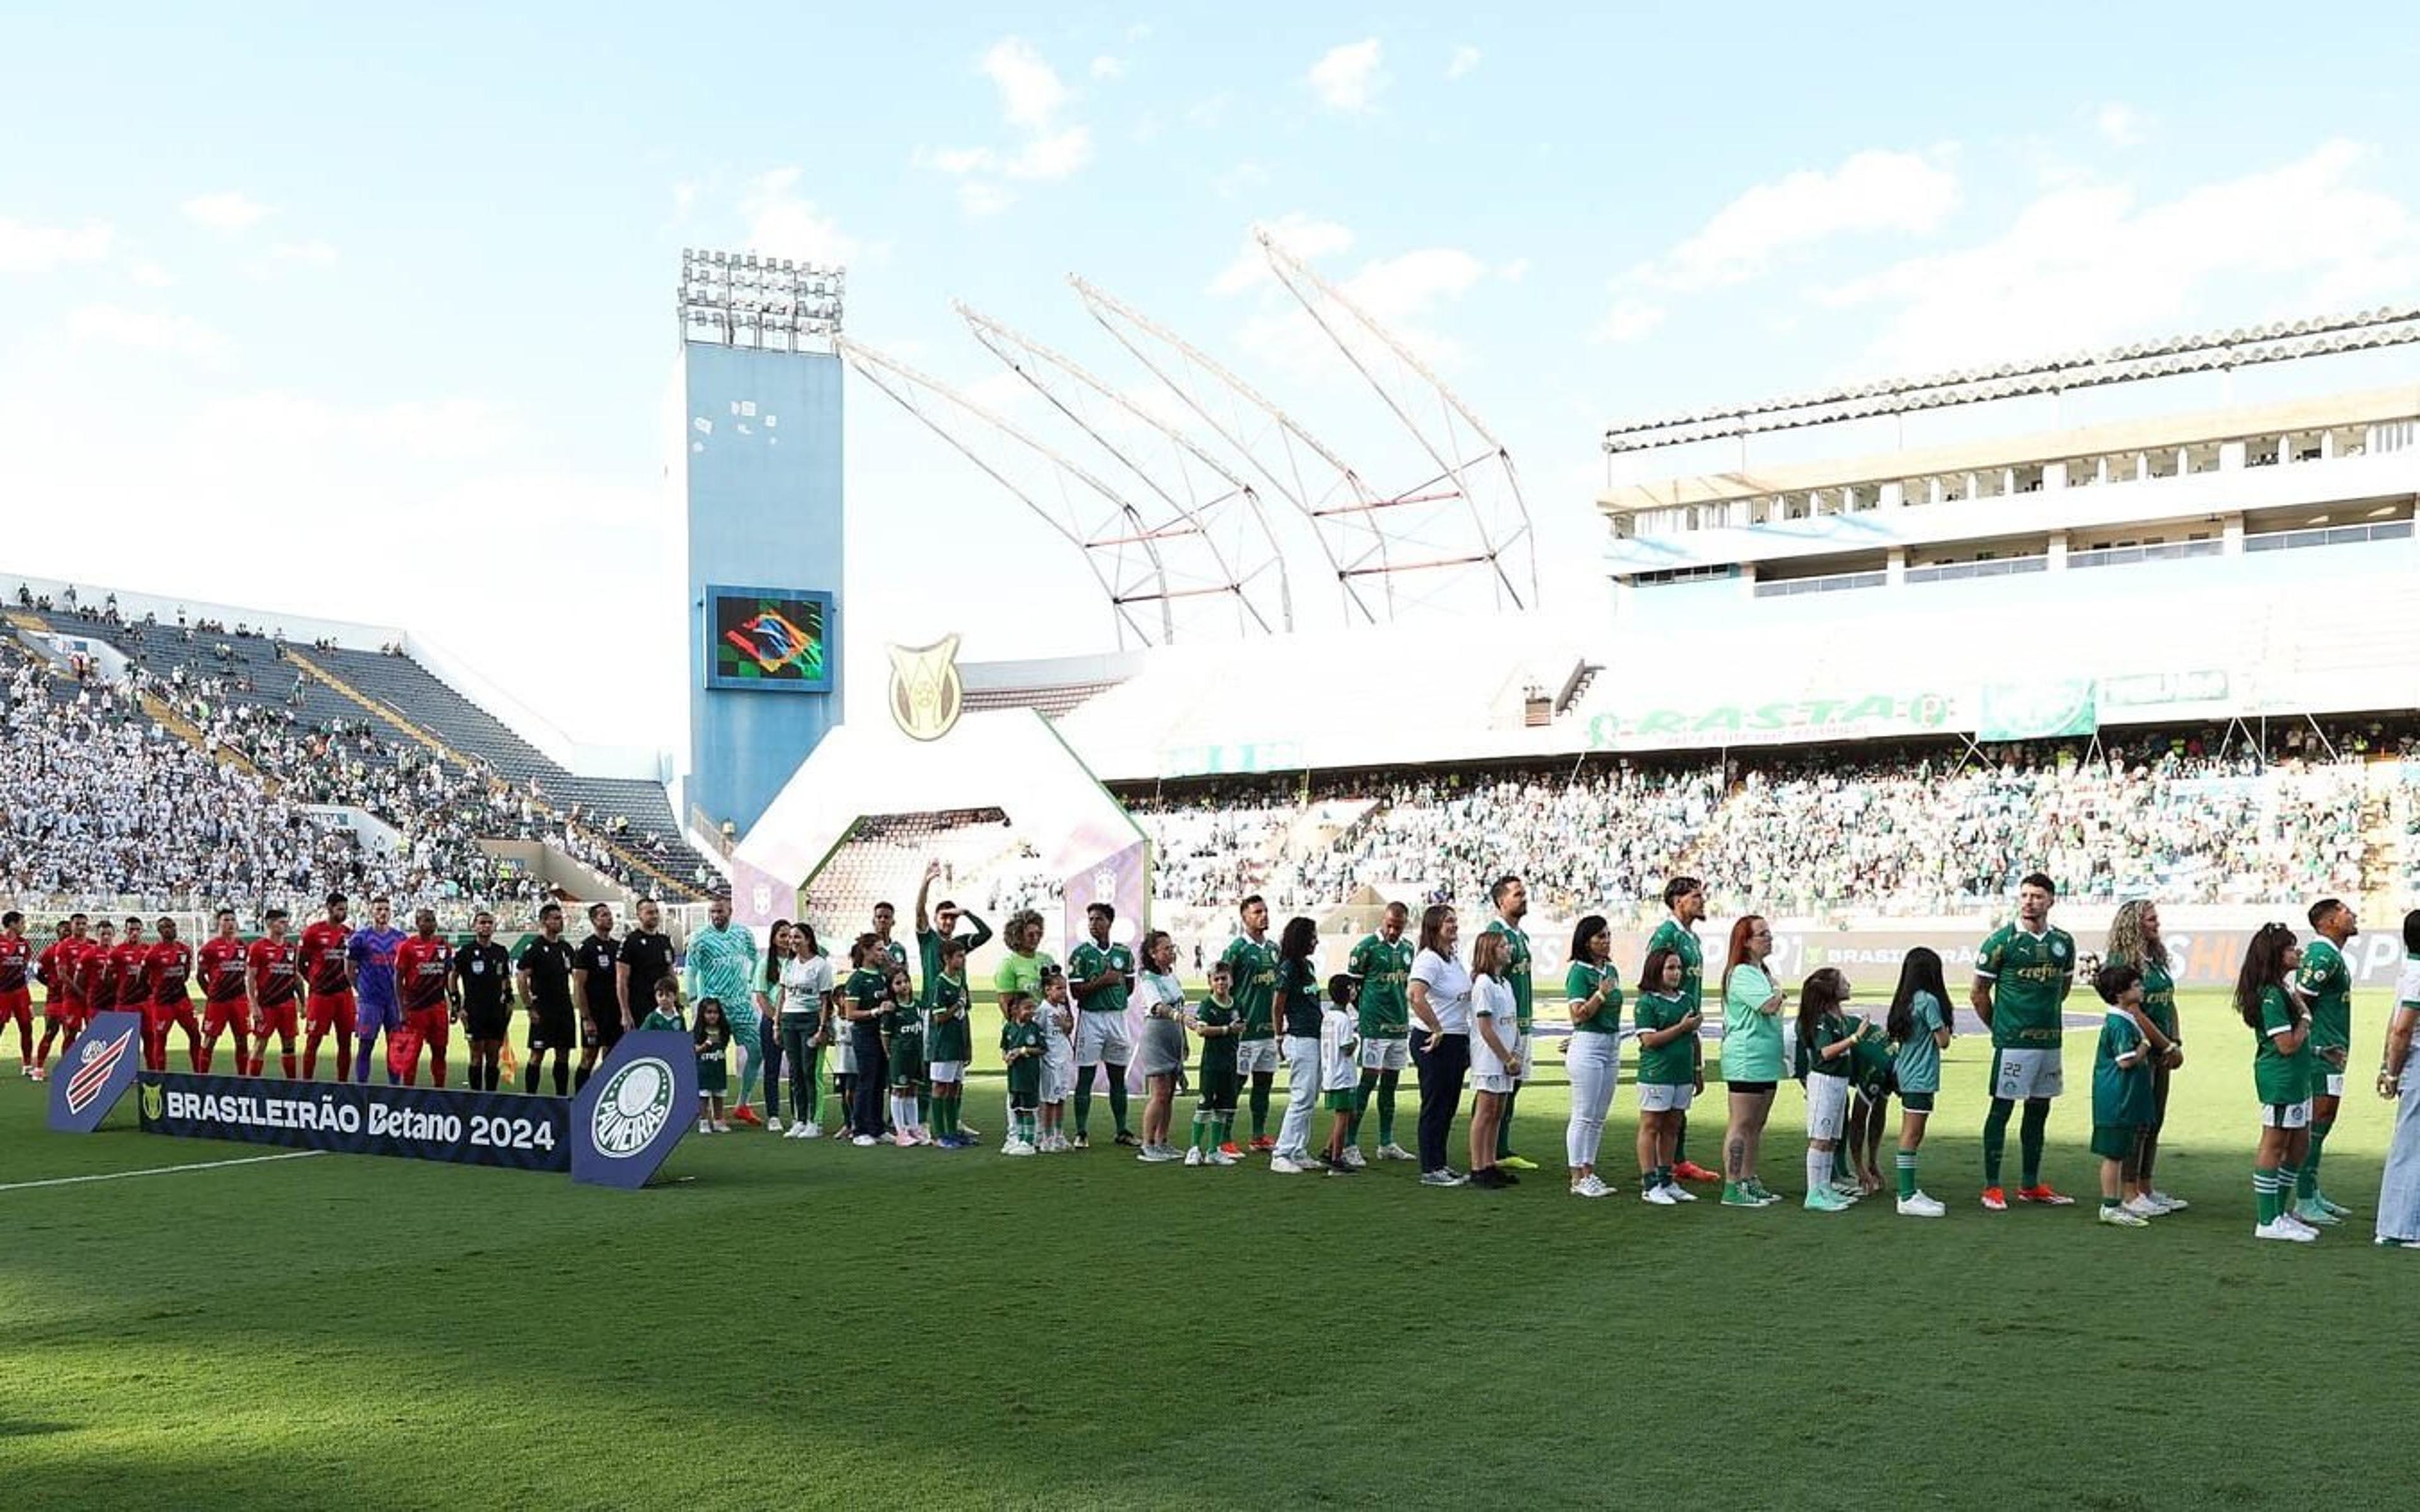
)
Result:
{"points": [[1230, 1150], [37, 1074], [1261, 1145], [1128, 1139], [904, 1139], [2390, 1241], [1494, 1179], [721, 1126], [1920, 1205], [1516, 1163], [1156, 1155], [1441, 1178], [2044, 1196], [1391, 1151], [806, 1131], [2334, 1207], [1018, 1147], [705, 1126], [841, 1131], [1736, 1195], [1193, 1156], [2141, 1206], [1220, 1157], [2124, 1218], [2172, 1204], [1083, 1141], [968, 1131], [745, 1113], [863, 1141], [1824, 1200], [1995, 1199], [1682, 1192], [1591, 1186], [2312, 1213], [773, 1123], [1354, 1158], [1660, 1195], [2278, 1228], [1848, 1186], [1284, 1165], [2288, 1219], [1689, 1170]]}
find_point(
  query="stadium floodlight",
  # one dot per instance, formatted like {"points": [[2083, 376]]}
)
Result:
{"points": [[765, 304], [2283, 342], [1231, 547]]}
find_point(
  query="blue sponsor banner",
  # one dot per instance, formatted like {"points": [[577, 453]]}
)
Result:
{"points": [[463, 1128], [96, 1071], [634, 1109]]}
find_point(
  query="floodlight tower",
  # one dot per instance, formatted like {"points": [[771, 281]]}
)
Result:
{"points": [[761, 478]]}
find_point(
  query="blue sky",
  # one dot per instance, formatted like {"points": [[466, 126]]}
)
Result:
{"points": [[386, 294]]}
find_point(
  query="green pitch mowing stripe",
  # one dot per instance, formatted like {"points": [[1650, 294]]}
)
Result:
{"points": [[815, 1325]]}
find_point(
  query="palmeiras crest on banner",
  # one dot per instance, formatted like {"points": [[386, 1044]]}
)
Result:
{"points": [[925, 694]]}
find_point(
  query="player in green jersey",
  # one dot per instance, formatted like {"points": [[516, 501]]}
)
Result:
{"points": [[1220, 1027], [1511, 898], [1669, 1071], [1021, 1051], [2121, 1086], [1101, 973], [933, 927], [2134, 940], [949, 1040], [1827, 1040], [1252, 958], [2326, 982], [1685, 896], [2022, 977], [2265, 1000], [1383, 963]]}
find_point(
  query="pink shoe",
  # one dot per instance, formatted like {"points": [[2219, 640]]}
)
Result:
{"points": [[904, 1139]]}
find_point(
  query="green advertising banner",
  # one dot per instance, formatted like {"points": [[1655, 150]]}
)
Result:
{"points": [[1774, 723], [2037, 711]]}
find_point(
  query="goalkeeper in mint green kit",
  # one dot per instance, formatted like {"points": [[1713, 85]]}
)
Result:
{"points": [[723, 965]]}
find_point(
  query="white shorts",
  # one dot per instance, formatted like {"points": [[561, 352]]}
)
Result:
{"points": [[1256, 1055], [2285, 1115], [1385, 1055], [2335, 1084], [1660, 1097], [1497, 1082], [845, 1055], [1103, 1038], [946, 1071], [2018, 1074], [1057, 1073], [1827, 1105]]}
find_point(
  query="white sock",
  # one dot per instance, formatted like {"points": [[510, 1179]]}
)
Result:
{"points": [[1818, 1168]]}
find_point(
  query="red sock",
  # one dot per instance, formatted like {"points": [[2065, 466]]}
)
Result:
{"points": [[42, 1057], [344, 1057], [437, 1071], [310, 1061], [286, 1059]]}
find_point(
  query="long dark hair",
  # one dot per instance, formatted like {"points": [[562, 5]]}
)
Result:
{"points": [[2264, 967], [1919, 973], [1651, 973], [1819, 997], [773, 959], [1583, 933], [1295, 945], [814, 946], [1433, 919]]}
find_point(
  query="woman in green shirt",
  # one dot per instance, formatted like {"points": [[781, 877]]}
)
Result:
{"points": [[1592, 996], [1751, 1059], [2134, 940]]}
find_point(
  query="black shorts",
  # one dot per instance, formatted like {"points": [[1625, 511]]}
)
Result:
{"points": [[552, 1029], [486, 1023], [1752, 1089]]}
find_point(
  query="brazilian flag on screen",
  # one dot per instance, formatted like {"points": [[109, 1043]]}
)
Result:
{"points": [[768, 640]]}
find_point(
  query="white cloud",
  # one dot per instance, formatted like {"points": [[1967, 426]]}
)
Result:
{"points": [[2120, 124], [782, 222], [1032, 97], [149, 274], [1349, 77], [2085, 264], [147, 331], [1236, 181], [315, 253], [1870, 192], [1401, 293], [1306, 237], [40, 248], [1513, 271], [1211, 113], [1106, 66], [1465, 59], [1629, 319], [225, 212]]}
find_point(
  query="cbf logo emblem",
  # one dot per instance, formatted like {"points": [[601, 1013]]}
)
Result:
{"points": [[153, 1102], [634, 1108], [925, 695]]}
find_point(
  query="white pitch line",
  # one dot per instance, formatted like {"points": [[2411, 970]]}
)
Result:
{"points": [[160, 1170]]}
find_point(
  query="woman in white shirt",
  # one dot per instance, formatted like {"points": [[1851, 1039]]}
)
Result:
{"points": [[806, 994], [1495, 1054], [1161, 1051], [1440, 1040]]}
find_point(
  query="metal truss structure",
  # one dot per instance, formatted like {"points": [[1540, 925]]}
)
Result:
{"points": [[1215, 535]]}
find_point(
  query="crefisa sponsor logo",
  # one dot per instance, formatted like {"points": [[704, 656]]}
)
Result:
{"points": [[634, 1108]]}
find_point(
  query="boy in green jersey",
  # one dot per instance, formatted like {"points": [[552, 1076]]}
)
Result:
{"points": [[949, 1040], [666, 1014], [1220, 1027], [2326, 981], [1021, 1051], [2121, 1086]]}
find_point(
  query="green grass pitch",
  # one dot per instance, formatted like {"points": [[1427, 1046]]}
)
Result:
{"points": [[783, 1325]]}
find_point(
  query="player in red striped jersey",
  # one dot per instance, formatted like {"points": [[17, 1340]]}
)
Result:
{"points": [[221, 963], [96, 977], [269, 976], [127, 965], [330, 1000], [62, 997], [16, 997], [424, 970], [167, 971]]}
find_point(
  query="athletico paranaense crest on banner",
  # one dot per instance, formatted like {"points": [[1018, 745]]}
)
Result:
{"points": [[925, 696]]}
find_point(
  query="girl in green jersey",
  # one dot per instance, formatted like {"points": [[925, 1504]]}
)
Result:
{"points": [[1918, 1025], [2281, 1076], [712, 1038]]}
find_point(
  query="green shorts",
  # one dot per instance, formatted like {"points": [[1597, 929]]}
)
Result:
{"points": [[2114, 1141], [1916, 1102], [1340, 1100], [1219, 1084]]}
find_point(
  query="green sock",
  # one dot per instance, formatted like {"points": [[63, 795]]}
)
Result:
{"points": [[1504, 1127], [2108, 1204], [1117, 1076], [1259, 1105], [1201, 1141], [2306, 1181], [2032, 1128], [1680, 1140], [1995, 1139], [1906, 1174], [1368, 1083], [1387, 1080], [1083, 1100], [2264, 1193]]}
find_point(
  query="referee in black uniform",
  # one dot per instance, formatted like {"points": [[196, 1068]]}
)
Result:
{"points": [[545, 972], [483, 999]]}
